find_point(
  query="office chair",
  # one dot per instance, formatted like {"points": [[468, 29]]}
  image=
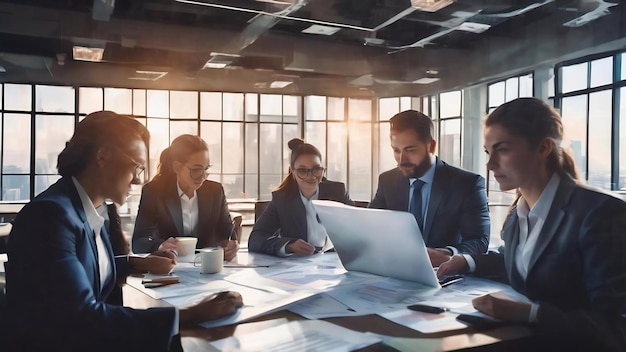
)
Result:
{"points": [[259, 208]]}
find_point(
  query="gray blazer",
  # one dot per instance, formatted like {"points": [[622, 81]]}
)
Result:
{"points": [[577, 272], [284, 220], [457, 212]]}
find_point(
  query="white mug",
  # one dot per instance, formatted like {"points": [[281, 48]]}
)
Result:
{"points": [[210, 260], [186, 245]]}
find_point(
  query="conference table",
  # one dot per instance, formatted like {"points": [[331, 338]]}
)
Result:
{"points": [[198, 338]]}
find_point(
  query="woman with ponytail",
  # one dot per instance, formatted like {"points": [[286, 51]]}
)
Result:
{"points": [[565, 243], [180, 201], [289, 225]]}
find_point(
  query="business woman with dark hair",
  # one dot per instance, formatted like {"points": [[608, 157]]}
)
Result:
{"points": [[564, 242], [180, 201], [61, 268], [290, 225]]}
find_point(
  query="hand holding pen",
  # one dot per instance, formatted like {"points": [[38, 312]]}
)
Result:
{"points": [[230, 245]]}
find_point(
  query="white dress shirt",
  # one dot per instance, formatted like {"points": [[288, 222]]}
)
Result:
{"points": [[96, 222], [189, 207], [316, 232]]}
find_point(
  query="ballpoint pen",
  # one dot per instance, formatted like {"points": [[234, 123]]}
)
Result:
{"points": [[427, 309]]}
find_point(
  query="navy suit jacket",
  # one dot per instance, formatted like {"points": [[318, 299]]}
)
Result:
{"points": [[54, 297], [577, 271], [284, 220], [160, 215], [457, 211]]}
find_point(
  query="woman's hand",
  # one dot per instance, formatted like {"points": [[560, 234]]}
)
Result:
{"points": [[230, 248], [212, 307], [455, 265], [300, 247], [160, 265], [170, 243], [503, 307]]}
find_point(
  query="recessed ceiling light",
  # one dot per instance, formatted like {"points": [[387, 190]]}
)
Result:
{"points": [[280, 84], [319, 29], [473, 27], [430, 5], [84, 53], [215, 64], [2, 69], [426, 80], [148, 75], [432, 72]]}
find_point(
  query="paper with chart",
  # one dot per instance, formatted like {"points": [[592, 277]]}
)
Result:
{"points": [[296, 336]]}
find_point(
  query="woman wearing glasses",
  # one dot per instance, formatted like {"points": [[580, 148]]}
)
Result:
{"points": [[180, 201], [62, 269], [290, 225]]}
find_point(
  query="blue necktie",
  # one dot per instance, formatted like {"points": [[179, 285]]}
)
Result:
{"points": [[416, 203]]}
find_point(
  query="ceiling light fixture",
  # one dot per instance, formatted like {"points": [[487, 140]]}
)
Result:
{"points": [[210, 64], [280, 84], [85, 53], [322, 30], [148, 75], [426, 80], [430, 5]]}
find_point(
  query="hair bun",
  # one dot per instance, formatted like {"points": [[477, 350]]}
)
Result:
{"points": [[294, 143]]}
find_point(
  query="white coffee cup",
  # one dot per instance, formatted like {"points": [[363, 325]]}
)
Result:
{"points": [[186, 246], [210, 260]]}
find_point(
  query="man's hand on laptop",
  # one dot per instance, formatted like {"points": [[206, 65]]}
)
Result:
{"points": [[456, 265], [300, 247], [438, 256]]}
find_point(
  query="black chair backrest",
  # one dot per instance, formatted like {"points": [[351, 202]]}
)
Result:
{"points": [[259, 208]]}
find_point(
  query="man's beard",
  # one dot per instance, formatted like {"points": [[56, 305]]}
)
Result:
{"points": [[418, 169]]}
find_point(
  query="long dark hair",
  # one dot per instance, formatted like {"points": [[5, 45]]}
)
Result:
{"points": [[96, 130], [534, 120], [180, 150], [298, 147]]}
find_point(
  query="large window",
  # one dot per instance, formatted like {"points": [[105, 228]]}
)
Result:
{"points": [[499, 93], [589, 96], [341, 128], [247, 133]]}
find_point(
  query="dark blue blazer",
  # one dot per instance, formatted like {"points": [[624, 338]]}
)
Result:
{"points": [[160, 215], [457, 211], [577, 271], [284, 220], [54, 297]]}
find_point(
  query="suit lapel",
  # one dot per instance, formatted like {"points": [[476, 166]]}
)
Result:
{"points": [[401, 189], [553, 220], [175, 210], [299, 213], [205, 211], [437, 191], [88, 232], [104, 234], [510, 236]]}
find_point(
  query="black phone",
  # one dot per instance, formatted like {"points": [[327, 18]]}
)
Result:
{"points": [[449, 280], [480, 323]]}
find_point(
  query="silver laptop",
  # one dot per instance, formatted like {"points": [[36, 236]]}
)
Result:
{"points": [[382, 242]]}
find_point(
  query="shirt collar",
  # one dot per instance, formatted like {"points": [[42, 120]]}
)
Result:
{"points": [[313, 197], [542, 207], [182, 194], [429, 175], [93, 217]]}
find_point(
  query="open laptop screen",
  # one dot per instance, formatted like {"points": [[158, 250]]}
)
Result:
{"points": [[382, 242]]}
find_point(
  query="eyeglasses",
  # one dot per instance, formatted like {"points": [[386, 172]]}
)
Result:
{"points": [[139, 167], [316, 171], [198, 173]]}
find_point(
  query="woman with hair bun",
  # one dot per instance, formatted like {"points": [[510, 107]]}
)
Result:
{"points": [[180, 201], [290, 225]]}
